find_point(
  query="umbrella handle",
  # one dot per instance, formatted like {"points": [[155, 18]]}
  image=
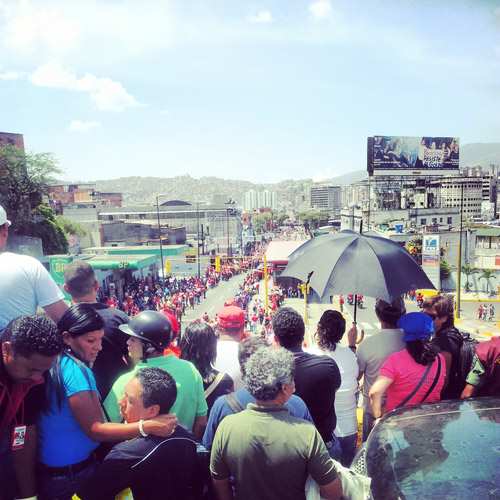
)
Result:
{"points": [[355, 306]]}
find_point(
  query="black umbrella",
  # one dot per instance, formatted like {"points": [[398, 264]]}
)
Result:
{"points": [[349, 262]]}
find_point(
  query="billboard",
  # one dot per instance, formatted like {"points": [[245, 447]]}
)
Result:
{"points": [[413, 156], [431, 258]]}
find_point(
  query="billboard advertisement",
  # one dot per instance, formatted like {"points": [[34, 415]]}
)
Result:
{"points": [[414, 156]]}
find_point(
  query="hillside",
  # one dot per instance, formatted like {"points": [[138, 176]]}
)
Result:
{"points": [[290, 192], [209, 189]]}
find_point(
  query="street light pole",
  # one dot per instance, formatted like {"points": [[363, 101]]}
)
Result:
{"points": [[459, 270], [159, 234], [198, 236]]}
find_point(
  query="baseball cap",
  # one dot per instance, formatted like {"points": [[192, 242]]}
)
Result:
{"points": [[416, 326], [231, 317], [3, 217]]}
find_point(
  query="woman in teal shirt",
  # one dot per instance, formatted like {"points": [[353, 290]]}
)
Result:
{"points": [[72, 426]]}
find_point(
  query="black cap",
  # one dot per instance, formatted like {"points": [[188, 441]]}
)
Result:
{"points": [[151, 327]]}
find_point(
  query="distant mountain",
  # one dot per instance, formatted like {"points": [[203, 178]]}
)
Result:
{"points": [[140, 190], [483, 154], [291, 193]]}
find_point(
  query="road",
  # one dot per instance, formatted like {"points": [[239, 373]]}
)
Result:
{"points": [[215, 299]]}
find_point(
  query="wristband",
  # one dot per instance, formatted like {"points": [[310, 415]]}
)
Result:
{"points": [[352, 347], [141, 429], [34, 497]]}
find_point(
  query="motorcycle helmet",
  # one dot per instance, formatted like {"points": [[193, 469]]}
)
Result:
{"points": [[151, 327]]}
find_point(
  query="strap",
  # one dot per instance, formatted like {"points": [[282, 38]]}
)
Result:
{"points": [[215, 382], [233, 403], [435, 381], [417, 387]]}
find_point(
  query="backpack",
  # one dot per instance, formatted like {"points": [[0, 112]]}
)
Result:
{"points": [[467, 350]]}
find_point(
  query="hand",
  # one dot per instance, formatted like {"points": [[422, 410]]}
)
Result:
{"points": [[352, 335], [161, 425]]}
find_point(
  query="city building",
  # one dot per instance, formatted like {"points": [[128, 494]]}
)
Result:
{"points": [[62, 195], [218, 226], [326, 197], [450, 194], [255, 200]]}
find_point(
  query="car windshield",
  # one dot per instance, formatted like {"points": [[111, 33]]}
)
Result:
{"points": [[447, 454]]}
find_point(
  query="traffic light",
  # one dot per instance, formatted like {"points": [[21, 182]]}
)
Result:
{"points": [[217, 264]]}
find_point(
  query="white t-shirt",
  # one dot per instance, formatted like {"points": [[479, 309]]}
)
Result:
{"points": [[372, 353], [345, 397], [227, 361], [24, 285]]}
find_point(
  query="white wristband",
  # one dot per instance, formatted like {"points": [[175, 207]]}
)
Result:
{"points": [[28, 498], [141, 429]]}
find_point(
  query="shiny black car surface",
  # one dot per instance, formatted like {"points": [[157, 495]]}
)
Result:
{"points": [[446, 450]]}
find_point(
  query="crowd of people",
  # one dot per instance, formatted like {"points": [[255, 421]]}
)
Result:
{"points": [[94, 401]]}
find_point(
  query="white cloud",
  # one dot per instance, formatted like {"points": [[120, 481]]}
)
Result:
{"points": [[10, 75], [261, 17], [81, 126], [106, 94], [321, 9], [28, 27]]}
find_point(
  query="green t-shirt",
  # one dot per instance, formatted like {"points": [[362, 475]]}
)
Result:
{"points": [[190, 402], [270, 454]]}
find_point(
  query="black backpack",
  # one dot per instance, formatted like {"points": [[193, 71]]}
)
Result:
{"points": [[467, 350]]}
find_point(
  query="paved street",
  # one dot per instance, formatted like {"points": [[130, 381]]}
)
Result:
{"points": [[215, 299]]}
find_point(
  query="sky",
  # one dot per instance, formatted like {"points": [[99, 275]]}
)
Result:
{"points": [[260, 90]]}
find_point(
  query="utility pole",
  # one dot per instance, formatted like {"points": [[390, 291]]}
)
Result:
{"points": [[198, 237], [459, 270], [162, 274]]}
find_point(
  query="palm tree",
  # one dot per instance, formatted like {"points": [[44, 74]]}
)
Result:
{"points": [[487, 275], [467, 269]]}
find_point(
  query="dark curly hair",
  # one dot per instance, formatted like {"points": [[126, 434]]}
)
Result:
{"points": [[199, 345], [288, 327], [247, 348], [158, 388], [331, 329], [423, 352], [35, 334]]}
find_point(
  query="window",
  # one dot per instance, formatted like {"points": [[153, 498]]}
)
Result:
{"points": [[423, 222], [434, 220], [440, 219], [450, 220]]}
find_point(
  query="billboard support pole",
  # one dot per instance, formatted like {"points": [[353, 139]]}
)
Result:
{"points": [[459, 270]]}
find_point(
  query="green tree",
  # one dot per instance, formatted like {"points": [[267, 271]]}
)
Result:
{"points": [[468, 270], [444, 269], [25, 181], [487, 275], [70, 227]]}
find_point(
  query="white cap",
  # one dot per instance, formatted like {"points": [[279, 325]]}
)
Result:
{"points": [[3, 217]]}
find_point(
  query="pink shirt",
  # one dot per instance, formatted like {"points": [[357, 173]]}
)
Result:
{"points": [[406, 373]]}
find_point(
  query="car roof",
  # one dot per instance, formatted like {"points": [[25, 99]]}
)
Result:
{"points": [[440, 450]]}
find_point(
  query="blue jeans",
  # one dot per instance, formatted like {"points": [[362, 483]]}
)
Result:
{"points": [[8, 483], [348, 447], [62, 487], [368, 422], [334, 448]]}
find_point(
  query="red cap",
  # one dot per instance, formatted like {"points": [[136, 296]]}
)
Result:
{"points": [[231, 317]]}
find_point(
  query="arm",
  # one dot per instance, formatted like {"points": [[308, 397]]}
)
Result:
{"points": [[24, 464], [332, 490], [222, 489], [448, 358], [56, 310], [87, 411], [377, 391], [468, 392], [199, 426]]}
